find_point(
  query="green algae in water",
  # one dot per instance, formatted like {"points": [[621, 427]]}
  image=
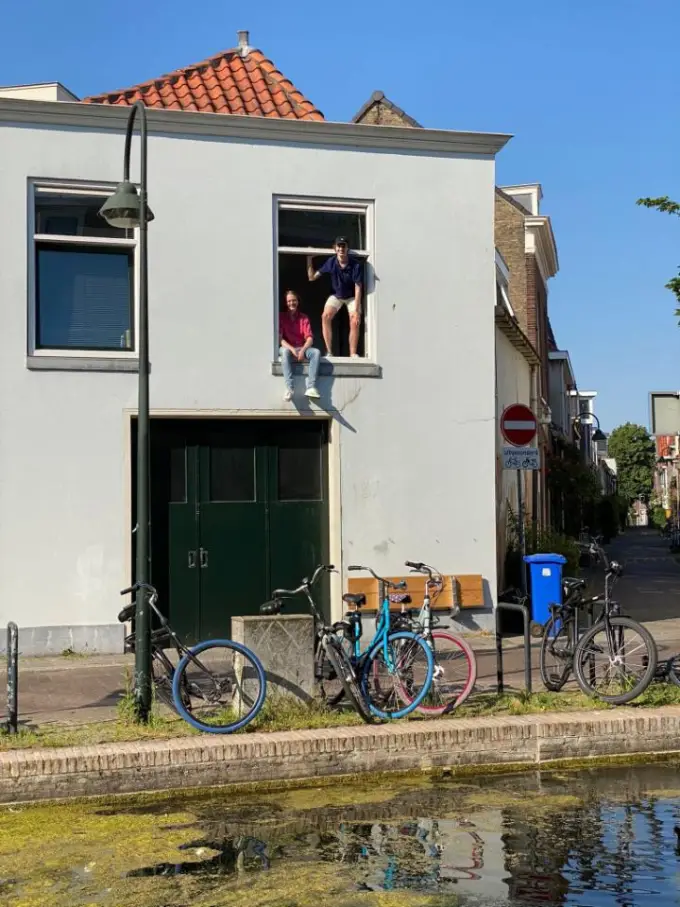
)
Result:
{"points": [[423, 842]]}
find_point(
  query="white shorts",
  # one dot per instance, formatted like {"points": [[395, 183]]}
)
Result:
{"points": [[336, 304]]}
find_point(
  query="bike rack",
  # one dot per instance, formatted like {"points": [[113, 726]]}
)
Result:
{"points": [[12, 677], [526, 613]]}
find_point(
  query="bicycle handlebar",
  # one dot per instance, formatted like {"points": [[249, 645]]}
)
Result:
{"points": [[381, 579], [420, 567], [305, 584], [128, 612]]}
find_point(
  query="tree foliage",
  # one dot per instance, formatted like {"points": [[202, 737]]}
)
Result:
{"points": [[666, 206], [635, 456]]}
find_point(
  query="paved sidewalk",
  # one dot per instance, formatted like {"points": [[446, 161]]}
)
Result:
{"points": [[79, 690]]}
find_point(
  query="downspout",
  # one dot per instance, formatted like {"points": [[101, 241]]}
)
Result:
{"points": [[535, 473]]}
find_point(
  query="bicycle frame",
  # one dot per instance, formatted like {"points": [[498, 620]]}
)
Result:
{"points": [[157, 651], [382, 626]]}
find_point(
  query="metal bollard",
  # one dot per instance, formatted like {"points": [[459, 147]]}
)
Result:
{"points": [[12, 677], [524, 610]]}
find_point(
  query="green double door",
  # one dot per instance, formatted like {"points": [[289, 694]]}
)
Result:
{"points": [[238, 508]]}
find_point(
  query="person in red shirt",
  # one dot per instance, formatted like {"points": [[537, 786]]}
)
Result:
{"points": [[296, 338]]}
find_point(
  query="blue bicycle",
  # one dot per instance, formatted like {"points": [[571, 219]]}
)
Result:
{"points": [[395, 669]]}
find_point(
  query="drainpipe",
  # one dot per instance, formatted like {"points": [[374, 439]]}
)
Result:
{"points": [[535, 473]]}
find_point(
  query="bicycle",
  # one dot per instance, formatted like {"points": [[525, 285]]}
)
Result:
{"points": [[455, 665], [395, 668], [561, 639], [327, 641], [213, 695]]}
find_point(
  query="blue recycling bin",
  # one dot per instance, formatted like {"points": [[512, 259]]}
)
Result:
{"points": [[545, 571]]}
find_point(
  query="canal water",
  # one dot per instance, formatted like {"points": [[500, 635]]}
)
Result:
{"points": [[596, 838]]}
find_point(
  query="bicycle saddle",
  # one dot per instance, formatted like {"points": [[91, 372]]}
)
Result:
{"points": [[358, 599], [572, 584], [127, 613], [401, 599], [273, 607]]}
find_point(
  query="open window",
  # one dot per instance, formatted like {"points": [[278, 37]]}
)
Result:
{"points": [[309, 228], [82, 286]]}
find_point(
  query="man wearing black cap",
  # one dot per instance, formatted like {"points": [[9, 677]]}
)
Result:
{"points": [[345, 271]]}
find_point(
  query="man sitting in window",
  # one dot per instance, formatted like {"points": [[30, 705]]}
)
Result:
{"points": [[296, 338], [346, 281]]}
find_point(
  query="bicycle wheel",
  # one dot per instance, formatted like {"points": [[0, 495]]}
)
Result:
{"points": [[454, 676], [556, 657], [397, 675], [224, 684], [618, 673], [343, 669]]}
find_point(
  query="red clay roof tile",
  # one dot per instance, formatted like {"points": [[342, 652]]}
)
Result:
{"points": [[226, 83]]}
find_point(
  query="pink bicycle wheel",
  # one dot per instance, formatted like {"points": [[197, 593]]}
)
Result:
{"points": [[455, 674]]}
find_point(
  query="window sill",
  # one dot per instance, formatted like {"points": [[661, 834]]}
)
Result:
{"points": [[336, 368], [80, 364]]}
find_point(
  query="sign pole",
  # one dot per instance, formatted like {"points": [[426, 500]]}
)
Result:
{"points": [[522, 533]]}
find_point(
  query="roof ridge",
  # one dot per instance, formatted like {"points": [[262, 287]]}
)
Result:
{"points": [[276, 77], [174, 73]]}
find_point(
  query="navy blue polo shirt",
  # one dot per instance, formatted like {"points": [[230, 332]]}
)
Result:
{"points": [[343, 279]]}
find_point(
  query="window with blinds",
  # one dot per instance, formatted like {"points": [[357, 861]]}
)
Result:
{"points": [[83, 275]]}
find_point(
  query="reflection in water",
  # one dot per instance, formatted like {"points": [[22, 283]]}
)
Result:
{"points": [[588, 838]]}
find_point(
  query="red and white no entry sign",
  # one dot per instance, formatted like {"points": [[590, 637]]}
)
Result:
{"points": [[518, 424]]}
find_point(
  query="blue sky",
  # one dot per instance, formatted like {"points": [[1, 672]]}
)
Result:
{"points": [[589, 89]]}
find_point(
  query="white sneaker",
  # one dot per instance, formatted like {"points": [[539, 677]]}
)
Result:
{"points": [[288, 396], [313, 393]]}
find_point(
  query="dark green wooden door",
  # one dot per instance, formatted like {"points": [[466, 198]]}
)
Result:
{"points": [[232, 525], [298, 512], [239, 507]]}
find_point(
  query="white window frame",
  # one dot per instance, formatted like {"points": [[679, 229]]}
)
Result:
{"points": [[366, 207], [36, 188]]}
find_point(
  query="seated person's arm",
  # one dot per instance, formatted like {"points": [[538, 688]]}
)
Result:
{"points": [[283, 342]]}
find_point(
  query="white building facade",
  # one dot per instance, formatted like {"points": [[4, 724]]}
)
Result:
{"points": [[247, 492]]}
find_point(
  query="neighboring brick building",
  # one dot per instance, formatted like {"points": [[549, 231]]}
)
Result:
{"points": [[525, 239], [380, 111]]}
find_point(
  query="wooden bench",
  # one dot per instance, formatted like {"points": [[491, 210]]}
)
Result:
{"points": [[466, 591]]}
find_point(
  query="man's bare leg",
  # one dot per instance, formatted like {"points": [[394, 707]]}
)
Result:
{"points": [[354, 323], [329, 314]]}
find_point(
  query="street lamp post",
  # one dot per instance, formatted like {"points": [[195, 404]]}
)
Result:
{"points": [[583, 417], [128, 209]]}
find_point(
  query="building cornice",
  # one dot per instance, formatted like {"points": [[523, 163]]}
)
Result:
{"points": [[507, 324], [540, 242], [102, 117], [563, 355]]}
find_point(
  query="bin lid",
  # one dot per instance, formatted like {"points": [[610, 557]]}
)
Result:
{"points": [[545, 559]]}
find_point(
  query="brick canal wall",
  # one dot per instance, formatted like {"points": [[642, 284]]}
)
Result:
{"points": [[205, 761]]}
